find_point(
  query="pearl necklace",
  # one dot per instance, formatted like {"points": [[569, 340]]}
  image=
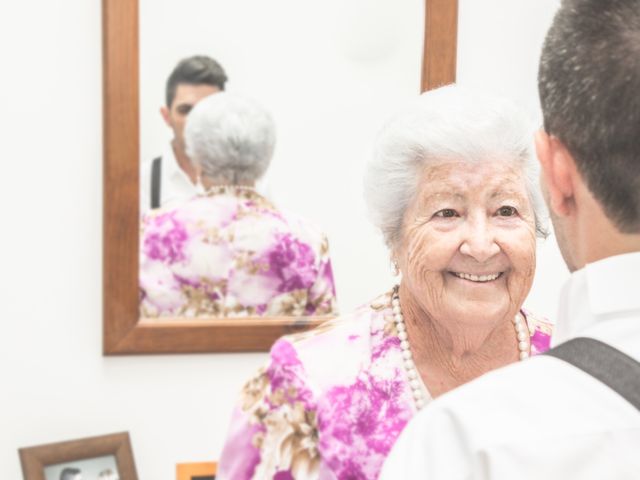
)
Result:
{"points": [[226, 188], [522, 334]]}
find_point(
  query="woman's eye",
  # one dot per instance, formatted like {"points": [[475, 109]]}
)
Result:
{"points": [[446, 213], [507, 211]]}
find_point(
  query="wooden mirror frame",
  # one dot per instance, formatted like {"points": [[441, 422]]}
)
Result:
{"points": [[123, 331]]}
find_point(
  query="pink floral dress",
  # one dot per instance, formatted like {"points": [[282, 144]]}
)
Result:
{"points": [[331, 403], [232, 253]]}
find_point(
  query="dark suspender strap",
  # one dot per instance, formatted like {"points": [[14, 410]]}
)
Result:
{"points": [[156, 170], [615, 369]]}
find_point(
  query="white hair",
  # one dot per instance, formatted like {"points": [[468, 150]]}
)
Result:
{"points": [[449, 123], [230, 137]]}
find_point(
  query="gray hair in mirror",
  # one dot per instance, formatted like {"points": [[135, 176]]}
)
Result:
{"points": [[231, 138], [449, 123]]}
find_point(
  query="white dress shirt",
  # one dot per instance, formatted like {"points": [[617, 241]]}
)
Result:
{"points": [[541, 418], [175, 185]]}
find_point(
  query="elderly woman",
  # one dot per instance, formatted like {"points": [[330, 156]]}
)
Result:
{"points": [[229, 251], [452, 189]]}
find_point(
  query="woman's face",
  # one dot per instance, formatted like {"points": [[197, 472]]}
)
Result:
{"points": [[467, 250]]}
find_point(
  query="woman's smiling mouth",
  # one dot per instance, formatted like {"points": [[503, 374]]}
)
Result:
{"points": [[489, 277]]}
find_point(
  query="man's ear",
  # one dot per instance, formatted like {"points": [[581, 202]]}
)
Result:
{"points": [[558, 171], [164, 111]]}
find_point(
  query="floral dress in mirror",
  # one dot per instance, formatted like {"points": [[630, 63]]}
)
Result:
{"points": [[330, 403], [232, 253]]}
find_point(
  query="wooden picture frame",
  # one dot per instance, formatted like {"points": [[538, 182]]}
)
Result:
{"points": [[196, 471], [123, 331], [35, 459]]}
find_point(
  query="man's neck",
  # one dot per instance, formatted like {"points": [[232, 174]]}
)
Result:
{"points": [[599, 238], [615, 244], [184, 162]]}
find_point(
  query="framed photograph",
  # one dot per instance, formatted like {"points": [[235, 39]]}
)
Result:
{"points": [[196, 471], [107, 457]]}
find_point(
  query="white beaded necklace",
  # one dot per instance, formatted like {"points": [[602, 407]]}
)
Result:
{"points": [[226, 188], [522, 334]]}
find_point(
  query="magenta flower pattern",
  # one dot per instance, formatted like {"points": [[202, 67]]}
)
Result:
{"points": [[232, 253], [330, 403]]}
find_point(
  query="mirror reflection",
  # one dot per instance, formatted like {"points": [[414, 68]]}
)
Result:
{"points": [[250, 152], [227, 250]]}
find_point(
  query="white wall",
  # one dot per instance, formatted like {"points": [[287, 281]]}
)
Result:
{"points": [[54, 383]]}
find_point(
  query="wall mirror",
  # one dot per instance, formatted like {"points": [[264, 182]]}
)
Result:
{"points": [[325, 61]]}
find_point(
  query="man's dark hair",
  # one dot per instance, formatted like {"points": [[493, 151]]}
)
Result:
{"points": [[196, 70], [589, 85]]}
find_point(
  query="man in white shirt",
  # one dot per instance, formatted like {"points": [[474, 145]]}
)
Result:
{"points": [[171, 177], [545, 418]]}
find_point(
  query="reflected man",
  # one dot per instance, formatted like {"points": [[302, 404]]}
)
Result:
{"points": [[172, 177]]}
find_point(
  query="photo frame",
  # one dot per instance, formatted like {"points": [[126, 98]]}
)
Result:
{"points": [[103, 453], [196, 471], [124, 332]]}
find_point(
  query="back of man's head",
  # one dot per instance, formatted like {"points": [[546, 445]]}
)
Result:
{"points": [[196, 70], [589, 84]]}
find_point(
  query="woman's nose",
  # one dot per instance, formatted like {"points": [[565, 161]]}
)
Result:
{"points": [[479, 241]]}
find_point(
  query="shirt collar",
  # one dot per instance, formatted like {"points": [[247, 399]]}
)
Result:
{"points": [[173, 171], [169, 160], [613, 284], [593, 293]]}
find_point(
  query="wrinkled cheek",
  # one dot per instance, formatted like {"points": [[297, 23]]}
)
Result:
{"points": [[423, 273], [417, 263], [524, 264]]}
